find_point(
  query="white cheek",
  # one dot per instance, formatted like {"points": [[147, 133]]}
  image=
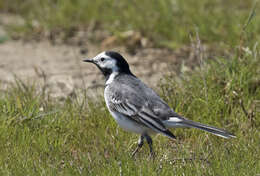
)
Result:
{"points": [[111, 64]]}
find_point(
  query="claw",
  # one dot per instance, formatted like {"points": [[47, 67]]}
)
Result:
{"points": [[140, 144]]}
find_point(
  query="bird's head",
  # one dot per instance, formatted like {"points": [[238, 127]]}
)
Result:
{"points": [[109, 62]]}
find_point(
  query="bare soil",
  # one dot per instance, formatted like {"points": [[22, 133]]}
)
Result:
{"points": [[59, 67]]}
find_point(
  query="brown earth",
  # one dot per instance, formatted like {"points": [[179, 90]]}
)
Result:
{"points": [[60, 69]]}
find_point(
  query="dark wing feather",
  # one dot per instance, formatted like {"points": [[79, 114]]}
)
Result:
{"points": [[136, 101]]}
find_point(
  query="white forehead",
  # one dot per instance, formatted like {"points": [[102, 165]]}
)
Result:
{"points": [[109, 62], [100, 55]]}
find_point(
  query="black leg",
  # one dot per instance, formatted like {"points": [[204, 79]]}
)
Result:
{"points": [[140, 144], [150, 143]]}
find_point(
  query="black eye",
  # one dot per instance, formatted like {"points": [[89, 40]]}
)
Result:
{"points": [[102, 59]]}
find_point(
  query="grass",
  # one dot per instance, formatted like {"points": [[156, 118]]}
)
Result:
{"points": [[167, 23], [77, 136], [41, 136]]}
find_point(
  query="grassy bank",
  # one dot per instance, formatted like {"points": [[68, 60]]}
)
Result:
{"points": [[40, 136], [167, 23], [43, 136]]}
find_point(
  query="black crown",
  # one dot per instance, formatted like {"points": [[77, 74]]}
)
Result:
{"points": [[120, 61]]}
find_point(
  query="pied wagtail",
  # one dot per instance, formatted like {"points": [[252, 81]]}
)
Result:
{"points": [[136, 107]]}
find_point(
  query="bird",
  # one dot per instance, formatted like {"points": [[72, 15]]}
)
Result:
{"points": [[136, 107]]}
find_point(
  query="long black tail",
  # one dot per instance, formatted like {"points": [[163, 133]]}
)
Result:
{"points": [[181, 122]]}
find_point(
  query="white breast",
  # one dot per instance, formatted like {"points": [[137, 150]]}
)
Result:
{"points": [[123, 121], [111, 77]]}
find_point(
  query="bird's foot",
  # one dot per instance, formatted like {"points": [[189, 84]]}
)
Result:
{"points": [[152, 156], [135, 151]]}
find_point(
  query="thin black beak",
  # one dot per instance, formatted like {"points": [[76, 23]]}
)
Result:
{"points": [[88, 60]]}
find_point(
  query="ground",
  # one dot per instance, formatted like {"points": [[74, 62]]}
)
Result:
{"points": [[60, 66], [77, 136]]}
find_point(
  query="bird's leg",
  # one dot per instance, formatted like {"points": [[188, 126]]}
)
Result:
{"points": [[140, 144], [150, 143]]}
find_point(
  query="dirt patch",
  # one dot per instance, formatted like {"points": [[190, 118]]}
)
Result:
{"points": [[60, 67]]}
